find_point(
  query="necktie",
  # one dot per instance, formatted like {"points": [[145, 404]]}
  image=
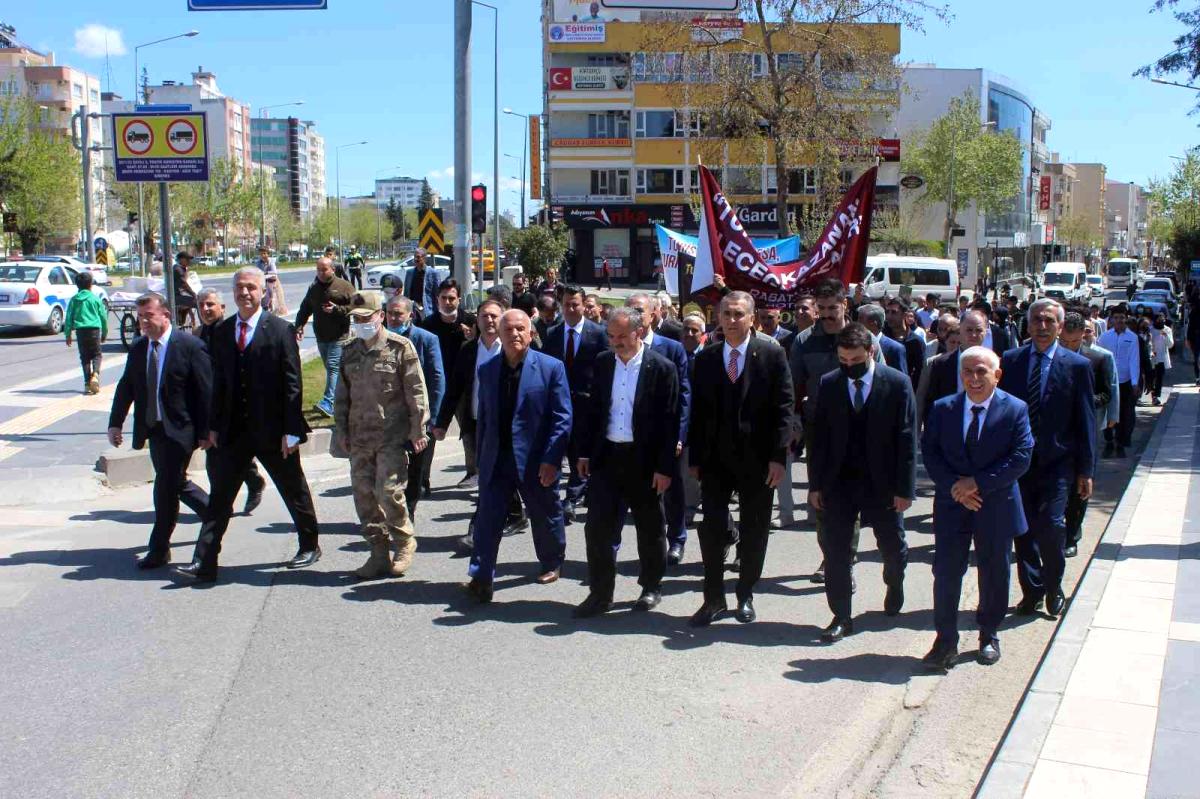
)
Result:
{"points": [[570, 359], [973, 432], [858, 395], [242, 328], [1034, 391], [152, 386], [732, 369]]}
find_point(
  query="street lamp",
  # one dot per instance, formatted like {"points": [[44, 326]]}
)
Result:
{"points": [[520, 161], [337, 159], [950, 193], [262, 181], [495, 149], [524, 150]]}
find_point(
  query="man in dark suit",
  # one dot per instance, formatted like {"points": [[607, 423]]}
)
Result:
{"points": [[976, 446], [945, 377], [862, 464], [1056, 384], [1104, 377], [873, 318], [576, 342], [665, 324], [524, 424], [421, 284], [168, 380], [628, 435], [768, 322], [740, 427], [256, 413], [896, 311]]}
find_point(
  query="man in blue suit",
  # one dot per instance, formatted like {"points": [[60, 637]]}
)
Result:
{"points": [[421, 284], [523, 427], [1056, 385], [873, 318], [674, 501], [576, 342], [429, 353], [976, 447]]}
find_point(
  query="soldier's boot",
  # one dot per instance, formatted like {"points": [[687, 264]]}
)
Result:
{"points": [[403, 549], [380, 561]]}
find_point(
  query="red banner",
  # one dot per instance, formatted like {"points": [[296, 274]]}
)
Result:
{"points": [[1044, 193], [725, 247]]}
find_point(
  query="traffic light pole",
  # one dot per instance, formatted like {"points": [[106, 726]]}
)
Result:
{"points": [[462, 142]]}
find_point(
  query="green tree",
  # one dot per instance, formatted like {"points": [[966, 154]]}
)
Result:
{"points": [[1079, 232], [398, 217], [1175, 201], [538, 248], [40, 177], [984, 168], [426, 200], [1184, 56], [323, 228]]}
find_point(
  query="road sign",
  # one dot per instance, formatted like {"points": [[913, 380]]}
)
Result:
{"points": [[155, 146], [256, 5], [431, 231]]}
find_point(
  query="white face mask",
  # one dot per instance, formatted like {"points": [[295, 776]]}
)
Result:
{"points": [[365, 330]]}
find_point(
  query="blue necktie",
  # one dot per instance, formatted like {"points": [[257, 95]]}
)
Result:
{"points": [[972, 442], [1034, 392]]}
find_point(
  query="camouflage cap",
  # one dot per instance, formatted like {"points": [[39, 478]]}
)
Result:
{"points": [[365, 304]]}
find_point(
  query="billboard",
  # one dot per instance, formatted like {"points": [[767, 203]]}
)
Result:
{"points": [[591, 11], [160, 146], [535, 157], [586, 78], [576, 33], [1044, 193]]}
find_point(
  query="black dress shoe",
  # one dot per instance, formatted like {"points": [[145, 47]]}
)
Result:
{"points": [[707, 614], [745, 611], [675, 555], [894, 600], [426, 492], [819, 575], [1070, 551], [941, 658], [592, 606], [197, 572], [253, 500], [480, 591], [305, 557], [569, 516], [1055, 603], [470, 481], [989, 652], [734, 565], [1029, 606], [516, 526], [649, 600], [153, 560], [837, 630], [465, 544]]}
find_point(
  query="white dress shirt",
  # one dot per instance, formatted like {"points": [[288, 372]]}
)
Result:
{"points": [[567, 336], [1126, 348], [162, 358], [866, 379], [648, 339], [741, 350], [968, 416], [483, 354], [624, 391], [252, 323]]}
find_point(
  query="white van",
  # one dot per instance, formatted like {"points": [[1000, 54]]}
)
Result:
{"points": [[1066, 281], [886, 275]]}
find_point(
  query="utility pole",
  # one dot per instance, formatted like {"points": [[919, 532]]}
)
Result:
{"points": [[85, 151], [462, 142]]}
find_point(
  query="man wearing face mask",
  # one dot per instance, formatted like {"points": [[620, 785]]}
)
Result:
{"points": [[327, 303], [429, 353], [382, 409], [862, 465]]}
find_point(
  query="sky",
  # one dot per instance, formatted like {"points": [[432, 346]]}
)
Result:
{"points": [[382, 71]]}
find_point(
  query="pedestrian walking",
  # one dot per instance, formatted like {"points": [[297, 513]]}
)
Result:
{"points": [[87, 320], [273, 299], [355, 264], [327, 303], [1162, 339], [1125, 346], [605, 276]]}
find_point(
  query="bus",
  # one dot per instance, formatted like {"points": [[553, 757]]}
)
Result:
{"points": [[1121, 272]]}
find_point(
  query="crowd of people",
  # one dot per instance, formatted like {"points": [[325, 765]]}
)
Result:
{"points": [[665, 417]]}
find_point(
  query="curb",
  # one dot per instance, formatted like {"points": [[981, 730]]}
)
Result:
{"points": [[1011, 767]]}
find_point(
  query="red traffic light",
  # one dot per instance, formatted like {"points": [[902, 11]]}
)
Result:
{"points": [[478, 193]]}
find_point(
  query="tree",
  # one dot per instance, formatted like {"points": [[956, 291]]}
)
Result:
{"points": [[426, 201], [397, 215], [40, 177], [984, 168], [1078, 231], [538, 248], [1184, 56], [803, 87], [1176, 204]]}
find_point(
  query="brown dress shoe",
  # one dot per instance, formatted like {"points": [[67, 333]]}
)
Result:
{"points": [[547, 578]]}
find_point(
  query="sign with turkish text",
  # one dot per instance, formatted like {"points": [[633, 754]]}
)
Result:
{"points": [[603, 79], [1044, 193], [677, 249], [576, 33], [912, 181], [156, 146], [535, 157], [590, 143], [721, 30]]}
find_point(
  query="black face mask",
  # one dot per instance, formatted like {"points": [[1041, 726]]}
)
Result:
{"points": [[854, 371]]}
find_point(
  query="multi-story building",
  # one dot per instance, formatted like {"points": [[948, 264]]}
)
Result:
{"points": [[623, 136], [1002, 108], [1122, 213], [57, 91], [405, 191], [1056, 194], [1091, 203], [294, 154]]}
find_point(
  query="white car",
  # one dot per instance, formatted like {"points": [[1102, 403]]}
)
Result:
{"points": [[99, 273], [375, 274], [36, 293], [1096, 284]]}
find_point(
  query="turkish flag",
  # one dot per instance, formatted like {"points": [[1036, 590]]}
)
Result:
{"points": [[560, 79]]}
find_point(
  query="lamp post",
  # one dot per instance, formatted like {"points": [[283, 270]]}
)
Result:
{"points": [[520, 161], [337, 161], [950, 194], [146, 99], [495, 149], [262, 181], [524, 151]]}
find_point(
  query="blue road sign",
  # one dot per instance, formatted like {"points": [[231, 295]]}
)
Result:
{"points": [[256, 5], [174, 109]]}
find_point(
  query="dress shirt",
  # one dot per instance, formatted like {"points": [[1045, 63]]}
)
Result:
{"points": [[482, 355], [741, 349], [987, 337], [967, 415], [567, 336], [648, 339], [866, 379], [624, 391], [1047, 360], [1126, 348], [252, 322], [162, 358]]}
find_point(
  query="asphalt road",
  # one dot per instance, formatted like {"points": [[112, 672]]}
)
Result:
{"points": [[310, 683]]}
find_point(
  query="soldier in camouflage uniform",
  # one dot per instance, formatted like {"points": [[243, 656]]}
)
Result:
{"points": [[381, 410]]}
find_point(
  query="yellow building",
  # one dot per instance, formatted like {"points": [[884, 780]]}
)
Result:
{"points": [[622, 138]]}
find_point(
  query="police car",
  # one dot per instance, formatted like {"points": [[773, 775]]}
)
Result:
{"points": [[36, 293], [99, 273]]}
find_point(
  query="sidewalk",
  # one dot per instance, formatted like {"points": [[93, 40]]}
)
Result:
{"points": [[1114, 708]]}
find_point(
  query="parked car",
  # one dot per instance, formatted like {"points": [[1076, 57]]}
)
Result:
{"points": [[1066, 281], [887, 275], [375, 274], [1154, 301], [1096, 284], [1165, 283], [36, 293], [99, 273]]}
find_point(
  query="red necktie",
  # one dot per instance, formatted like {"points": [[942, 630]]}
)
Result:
{"points": [[242, 328], [732, 369]]}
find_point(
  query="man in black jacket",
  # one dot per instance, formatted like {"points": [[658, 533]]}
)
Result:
{"points": [[863, 465], [168, 380], [255, 414], [327, 302], [741, 419], [628, 433]]}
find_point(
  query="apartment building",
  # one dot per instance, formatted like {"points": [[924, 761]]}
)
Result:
{"points": [[1124, 212], [294, 153], [404, 190], [1091, 202]]}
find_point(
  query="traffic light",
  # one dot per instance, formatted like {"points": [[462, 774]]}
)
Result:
{"points": [[479, 209]]}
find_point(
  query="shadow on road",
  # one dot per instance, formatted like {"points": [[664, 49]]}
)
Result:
{"points": [[870, 667]]}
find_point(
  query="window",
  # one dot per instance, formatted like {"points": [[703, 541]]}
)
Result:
{"points": [[663, 180], [76, 91], [608, 125], [658, 67], [743, 180], [919, 277], [58, 277], [792, 62], [94, 97], [656, 125], [752, 65], [602, 61], [800, 181], [610, 182]]}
